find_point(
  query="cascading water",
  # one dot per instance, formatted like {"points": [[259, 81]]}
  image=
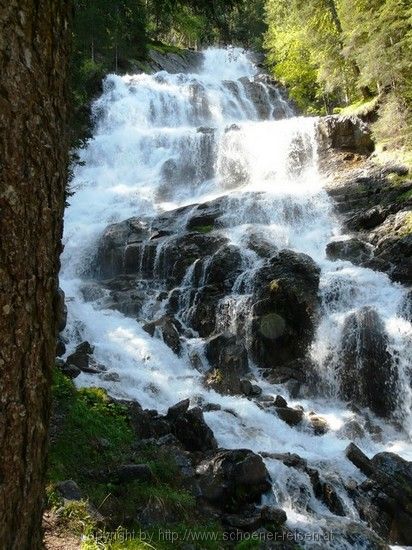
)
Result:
{"points": [[166, 141]]}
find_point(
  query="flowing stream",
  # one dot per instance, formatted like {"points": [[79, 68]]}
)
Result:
{"points": [[166, 141]]}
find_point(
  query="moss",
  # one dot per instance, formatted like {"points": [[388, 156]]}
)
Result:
{"points": [[203, 228], [406, 228], [164, 48], [215, 377], [406, 196], [274, 285], [359, 108]]}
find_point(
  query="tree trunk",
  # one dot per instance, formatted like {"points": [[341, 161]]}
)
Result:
{"points": [[33, 162]]}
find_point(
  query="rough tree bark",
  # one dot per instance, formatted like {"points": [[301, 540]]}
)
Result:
{"points": [[34, 38]]}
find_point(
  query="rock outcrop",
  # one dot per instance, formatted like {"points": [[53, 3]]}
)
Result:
{"points": [[367, 374], [384, 500]]}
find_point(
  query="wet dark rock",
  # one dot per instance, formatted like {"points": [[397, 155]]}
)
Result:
{"points": [[91, 291], [113, 244], [345, 134], [243, 522], [265, 97], [81, 357], [233, 478], [280, 402], [297, 371], [69, 490], [224, 267], [368, 219], [182, 251], [211, 407], [351, 430], [169, 329], [144, 424], [263, 248], [285, 308], [291, 416], [206, 215], [192, 431], [71, 371], [393, 242], [178, 409], [128, 301], [229, 363], [353, 250], [323, 491], [246, 387], [111, 377], [203, 317], [186, 61], [367, 375], [384, 500], [406, 307]]}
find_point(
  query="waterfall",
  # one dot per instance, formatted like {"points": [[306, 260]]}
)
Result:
{"points": [[163, 146]]}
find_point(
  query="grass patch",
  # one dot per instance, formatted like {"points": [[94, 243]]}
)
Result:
{"points": [[201, 537], [95, 436], [90, 417]]}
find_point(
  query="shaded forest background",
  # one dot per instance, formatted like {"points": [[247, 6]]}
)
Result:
{"points": [[349, 56]]}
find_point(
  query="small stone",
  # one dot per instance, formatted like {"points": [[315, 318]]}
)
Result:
{"points": [[319, 424], [69, 490], [111, 377], [211, 407], [289, 415]]}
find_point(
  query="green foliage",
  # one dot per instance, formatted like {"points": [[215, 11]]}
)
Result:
{"points": [[75, 517], [335, 52]]}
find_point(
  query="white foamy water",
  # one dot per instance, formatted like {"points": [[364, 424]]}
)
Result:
{"points": [[163, 141]]}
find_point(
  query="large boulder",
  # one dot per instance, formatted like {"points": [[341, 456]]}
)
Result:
{"points": [[384, 500], [233, 478], [367, 374], [229, 363], [345, 133], [285, 308], [121, 244]]}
